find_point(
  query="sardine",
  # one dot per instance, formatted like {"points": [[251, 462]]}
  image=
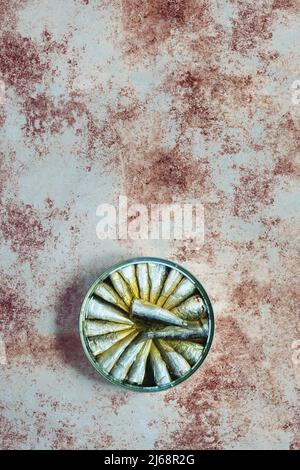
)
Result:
{"points": [[137, 371], [205, 324], [191, 309], [157, 275], [100, 310], [100, 344], [122, 288], [176, 363], [184, 290], [159, 367], [148, 311], [143, 280], [129, 275], [121, 368], [98, 327], [173, 279], [176, 332], [110, 295], [108, 359], [189, 350]]}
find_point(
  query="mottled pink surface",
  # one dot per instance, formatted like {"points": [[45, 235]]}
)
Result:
{"points": [[162, 101]]}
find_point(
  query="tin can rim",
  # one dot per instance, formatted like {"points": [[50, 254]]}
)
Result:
{"points": [[170, 264]]}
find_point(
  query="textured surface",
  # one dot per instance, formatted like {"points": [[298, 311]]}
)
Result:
{"points": [[160, 101]]}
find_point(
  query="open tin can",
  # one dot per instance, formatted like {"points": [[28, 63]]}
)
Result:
{"points": [[147, 386]]}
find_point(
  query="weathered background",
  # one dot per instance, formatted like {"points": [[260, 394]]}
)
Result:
{"points": [[160, 101]]}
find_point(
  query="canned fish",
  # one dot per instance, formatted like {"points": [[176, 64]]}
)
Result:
{"points": [[146, 324]]}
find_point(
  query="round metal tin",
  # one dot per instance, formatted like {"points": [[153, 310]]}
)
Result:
{"points": [[116, 267]]}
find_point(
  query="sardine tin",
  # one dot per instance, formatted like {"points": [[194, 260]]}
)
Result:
{"points": [[199, 290]]}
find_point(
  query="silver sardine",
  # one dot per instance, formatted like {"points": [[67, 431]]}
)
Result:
{"points": [[173, 279], [109, 294], [137, 372], [184, 290], [147, 311], [129, 275], [101, 343], [121, 287], [189, 350], [108, 359], [98, 327], [143, 280], [100, 310], [157, 275], [121, 368], [159, 367], [192, 308], [176, 363], [176, 332], [205, 323]]}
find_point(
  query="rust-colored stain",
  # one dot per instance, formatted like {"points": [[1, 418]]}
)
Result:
{"points": [[20, 62], [21, 227], [163, 102]]}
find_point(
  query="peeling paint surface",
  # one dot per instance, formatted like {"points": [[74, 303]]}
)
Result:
{"points": [[161, 101]]}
